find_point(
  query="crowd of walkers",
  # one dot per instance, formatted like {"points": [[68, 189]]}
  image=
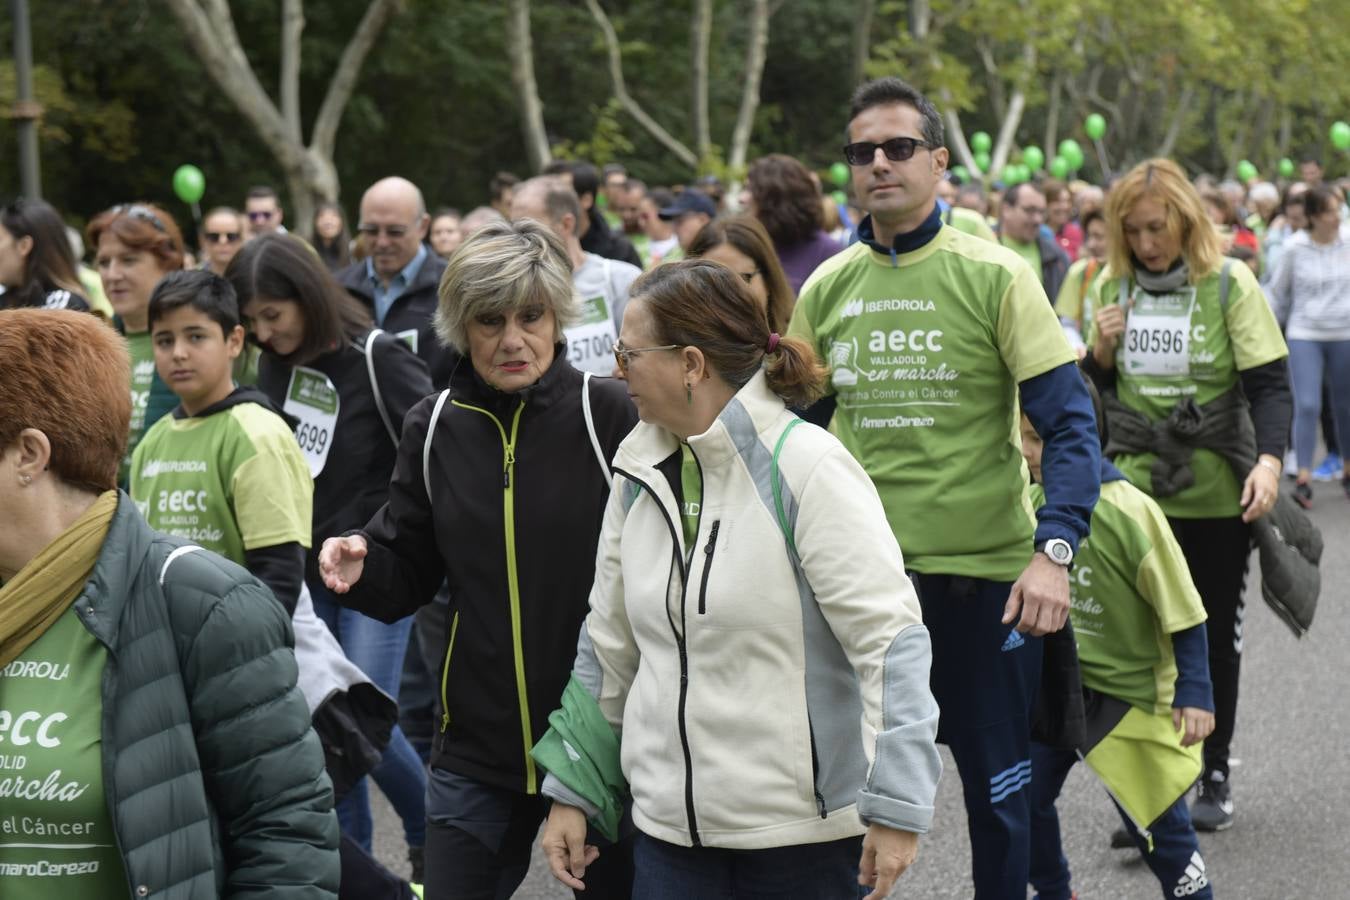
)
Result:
{"points": [[644, 514]]}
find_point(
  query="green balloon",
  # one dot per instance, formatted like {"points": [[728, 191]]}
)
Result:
{"points": [[982, 160], [1340, 135], [1095, 126], [1059, 167], [1287, 167], [1072, 153], [839, 174], [980, 142], [189, 183], [1245, 170], [962, 173], [1033, 158], [839, 197]]}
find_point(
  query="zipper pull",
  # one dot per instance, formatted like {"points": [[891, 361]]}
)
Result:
{"points": [[445, 721], [506, 467], [712, 538]]}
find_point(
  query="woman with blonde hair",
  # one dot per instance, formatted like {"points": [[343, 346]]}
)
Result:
{"points": [[499, 488], [1185, 342]]}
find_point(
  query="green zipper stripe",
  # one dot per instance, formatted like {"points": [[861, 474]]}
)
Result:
{"points": [[513, 581], [445, 674]]}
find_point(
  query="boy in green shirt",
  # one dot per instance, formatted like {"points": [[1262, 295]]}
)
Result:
{"points": [[1143, 653], [223, 470]]}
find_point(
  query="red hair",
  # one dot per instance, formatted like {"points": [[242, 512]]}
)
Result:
{"points": [[68, 375], [141, 226]]}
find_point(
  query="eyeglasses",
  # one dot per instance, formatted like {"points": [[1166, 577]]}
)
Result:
{"points": [[261, 215], [623, 356], [1035, 212], [222, 237], [896, 149], [138, 211], [393, 231]]}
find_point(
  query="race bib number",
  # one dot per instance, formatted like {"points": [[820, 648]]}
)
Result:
{"points": [[1158, 334], [590, 343], [313, 400]]}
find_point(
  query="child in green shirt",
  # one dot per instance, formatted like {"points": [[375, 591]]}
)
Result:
{"points": [[1143, 653]]}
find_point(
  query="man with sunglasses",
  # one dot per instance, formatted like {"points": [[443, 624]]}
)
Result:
{"points": [[399, 276], [263, 208], [221, 237], [934, 337]]}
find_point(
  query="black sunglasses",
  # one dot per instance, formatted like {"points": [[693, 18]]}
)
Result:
{"points": [[229, 237], [897, 149]]}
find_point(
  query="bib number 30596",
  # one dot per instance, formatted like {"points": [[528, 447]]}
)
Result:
{"points": [[312, 398], [1157, 337]]}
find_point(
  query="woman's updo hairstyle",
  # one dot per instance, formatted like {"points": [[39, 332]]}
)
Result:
{"points": [[703, 304]]}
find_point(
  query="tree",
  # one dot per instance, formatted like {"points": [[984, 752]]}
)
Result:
{"points": [[520, 46], [311, 175]]}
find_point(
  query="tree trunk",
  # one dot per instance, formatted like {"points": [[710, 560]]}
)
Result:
{"points": [[1179, 115], [520, 49], [634, 109], [1051, 144], [862, 40], [700, 37], [755, 52], [310, 173]]}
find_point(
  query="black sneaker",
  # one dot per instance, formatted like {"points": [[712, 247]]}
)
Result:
{"points": [[1213, 806], [1303, 494]]}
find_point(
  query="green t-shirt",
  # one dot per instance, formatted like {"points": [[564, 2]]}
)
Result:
{"points": [[142, 350], [1074, 300], [231, 481], [971, 222], [691, 485], [1183, 345], [926, 357], [1030, 253], [1131, 590], [56, 833]]}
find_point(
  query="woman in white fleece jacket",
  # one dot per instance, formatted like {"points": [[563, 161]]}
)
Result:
{"points": [[754, 644]]}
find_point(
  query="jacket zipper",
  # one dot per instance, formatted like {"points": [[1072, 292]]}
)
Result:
{"points": [[684, 658], [445, 674], [707, 567], [513, 580], [815, 769]]}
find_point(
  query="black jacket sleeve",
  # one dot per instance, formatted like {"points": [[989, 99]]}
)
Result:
{"points": [[1267, 390], [402, 376], [281, 568], [403, 565]]}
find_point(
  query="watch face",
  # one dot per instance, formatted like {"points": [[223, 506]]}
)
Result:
{"points": [[1059, 551]]}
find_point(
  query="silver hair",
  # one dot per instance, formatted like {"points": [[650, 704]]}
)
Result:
{"points": [[1263, 192], [502, 267], [559, 197]]}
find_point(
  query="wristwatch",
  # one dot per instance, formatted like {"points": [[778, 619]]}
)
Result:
{"points": [[1057, 550]]}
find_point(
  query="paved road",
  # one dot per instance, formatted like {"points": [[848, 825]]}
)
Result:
{"points": [[1292, 786]]}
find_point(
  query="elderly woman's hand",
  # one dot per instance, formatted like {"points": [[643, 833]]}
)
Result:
{"points": [[564, 845], [1261, 489], [341, 562]]}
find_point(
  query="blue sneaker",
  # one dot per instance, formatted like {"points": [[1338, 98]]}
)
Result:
{"points": [[1329, 470]]}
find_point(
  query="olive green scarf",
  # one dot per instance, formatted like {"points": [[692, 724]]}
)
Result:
{"points": [[44, 589]]}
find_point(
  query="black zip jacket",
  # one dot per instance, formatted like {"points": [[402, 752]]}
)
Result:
{"points": [[354, 482], [414, 310], [515, 533]]}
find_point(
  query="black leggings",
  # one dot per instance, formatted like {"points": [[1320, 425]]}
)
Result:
{"points": [[459, 866], [1217, 552]]}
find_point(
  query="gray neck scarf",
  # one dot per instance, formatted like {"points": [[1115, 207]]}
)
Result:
{"points": [[1174, 279]]}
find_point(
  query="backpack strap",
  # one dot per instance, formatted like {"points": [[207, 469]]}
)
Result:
{"points": [[1225, 282], [590, 425], [368, 350], [777, 479], [426, 445]]}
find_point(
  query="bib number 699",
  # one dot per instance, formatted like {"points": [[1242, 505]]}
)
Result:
{"points": [[311, 437]]}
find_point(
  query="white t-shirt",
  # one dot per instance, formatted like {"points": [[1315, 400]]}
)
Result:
{"points": [[602, 284]]}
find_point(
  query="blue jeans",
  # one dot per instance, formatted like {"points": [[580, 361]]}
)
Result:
{"points": [[664, 871], [378, 649], [1308, 362]]}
